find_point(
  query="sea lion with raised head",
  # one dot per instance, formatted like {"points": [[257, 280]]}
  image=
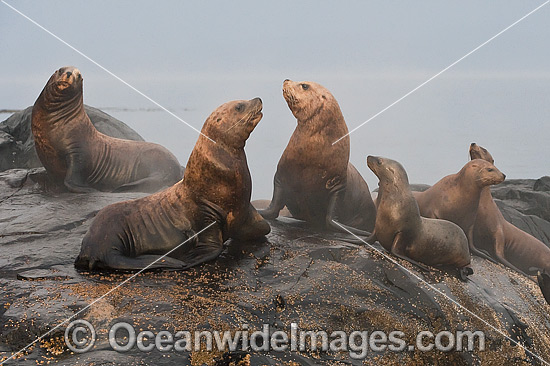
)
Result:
{"points": [[83, 159], [216, 188], [402, 231], [508, 244], [456, 197], [314, 177]]}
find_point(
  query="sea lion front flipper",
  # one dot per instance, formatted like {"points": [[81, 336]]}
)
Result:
{"points": [[209, 247], [543, 279], [146, 261], [397, 250], [74, 180], [255, 227], [277, 202]]}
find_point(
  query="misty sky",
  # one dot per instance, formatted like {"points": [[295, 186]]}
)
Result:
{"points": [[193, 56]]}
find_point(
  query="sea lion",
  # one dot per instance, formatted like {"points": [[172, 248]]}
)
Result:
{"points": [[314, 178], [402, 231], [78, 156], [216, 187], [456, 197], [510, 245]]}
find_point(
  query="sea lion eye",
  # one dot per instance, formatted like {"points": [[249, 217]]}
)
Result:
{"points": [[490, 170], [239, 108], [305, 86]]}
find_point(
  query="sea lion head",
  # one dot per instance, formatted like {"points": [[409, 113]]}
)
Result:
{"points": [[387, 170], [64, 84], [483, 173], [307, 99], [232, 123], [478, 152]]}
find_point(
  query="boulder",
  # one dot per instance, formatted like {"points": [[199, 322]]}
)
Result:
{"points": [[298, 275], [17, 143]]}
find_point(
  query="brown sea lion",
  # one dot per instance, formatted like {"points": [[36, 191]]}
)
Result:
{"points": [[75, 154], [456, 197], [402, 231], [314, 178], [510, 245], [216, 188]]}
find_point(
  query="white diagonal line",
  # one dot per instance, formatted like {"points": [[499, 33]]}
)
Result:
{"points": [[105, 295], [105, 69], [442, 71], [446, 296]]}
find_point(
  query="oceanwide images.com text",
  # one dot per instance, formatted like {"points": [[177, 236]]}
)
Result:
{"points": [[80, 336]]}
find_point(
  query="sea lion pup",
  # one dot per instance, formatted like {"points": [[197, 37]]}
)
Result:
{"points": [[456, 197], [83, 159], [402, 231], [216, 188], [510, 245], [314, 178]]}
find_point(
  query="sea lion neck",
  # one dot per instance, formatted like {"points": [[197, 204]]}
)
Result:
{"points": [[60, 106]]}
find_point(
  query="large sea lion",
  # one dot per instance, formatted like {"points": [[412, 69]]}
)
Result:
{"points": [[456, 197], [75, 154], [314, 178], [510, 245], [402, 231], [216, 187]]}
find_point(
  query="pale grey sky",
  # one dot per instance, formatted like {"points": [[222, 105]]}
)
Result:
{"points": [[193, 56]]}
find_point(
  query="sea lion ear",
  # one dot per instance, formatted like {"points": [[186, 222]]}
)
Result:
{"points": [[218, 119]]}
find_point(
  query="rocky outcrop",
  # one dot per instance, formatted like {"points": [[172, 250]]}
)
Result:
{"points": [[297, 276], [17, 143]]}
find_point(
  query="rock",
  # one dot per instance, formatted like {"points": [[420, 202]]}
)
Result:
{"points": [[298, 276], [17, 143], [519, 194], [542, 184]]}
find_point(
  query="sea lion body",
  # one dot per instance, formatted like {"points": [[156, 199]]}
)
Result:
{"points": [[402, 231], [314, 177], [75, 154], [510, 245], [216, 188], [456, 197]]}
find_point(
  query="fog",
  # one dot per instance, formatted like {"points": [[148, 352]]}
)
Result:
{"points": [[193, 56]]}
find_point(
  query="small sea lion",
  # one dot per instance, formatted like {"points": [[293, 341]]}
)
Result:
{"points": [[508, 244], [216, 188], [456, 197], [314, 178], [83, 159], [402, 231]]}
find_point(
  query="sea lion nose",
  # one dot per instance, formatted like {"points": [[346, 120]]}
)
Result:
{"points": [[68, 73], [473, 144], [286, 80], [503, 176]]}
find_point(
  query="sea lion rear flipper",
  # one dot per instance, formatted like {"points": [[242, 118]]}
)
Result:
{"points": [[123, 263], [543, 279], [397, 250], [277, 202], [336, 194]]}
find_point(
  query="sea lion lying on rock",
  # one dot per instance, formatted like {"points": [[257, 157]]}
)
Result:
{"points": [[216, 188], [83, 159]]}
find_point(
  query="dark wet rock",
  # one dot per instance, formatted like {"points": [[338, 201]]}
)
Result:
{"points": [[297, 276], [17, 143], [520, 195]]}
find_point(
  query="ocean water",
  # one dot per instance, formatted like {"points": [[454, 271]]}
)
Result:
{"points": [[428, 132]]}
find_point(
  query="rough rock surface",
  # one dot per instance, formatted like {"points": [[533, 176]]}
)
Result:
{"points": [[17, 143], [297, 276]]}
